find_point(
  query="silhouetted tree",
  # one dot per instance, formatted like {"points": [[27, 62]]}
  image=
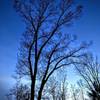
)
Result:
{"points": [[19, 92], [63, 89], [53, 89], [89, 69], [45, 46], [81, 86], [58, 89], [74, 92]]}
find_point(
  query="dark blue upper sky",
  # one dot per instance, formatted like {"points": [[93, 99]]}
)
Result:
{"points": [[11, 27]]}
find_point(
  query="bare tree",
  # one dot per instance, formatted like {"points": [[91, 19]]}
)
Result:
{"points": [[81, 86], [53, 89], [74, 92], [58, 89], [19, 92], [89, 69], [45, 46], [63, 89]]}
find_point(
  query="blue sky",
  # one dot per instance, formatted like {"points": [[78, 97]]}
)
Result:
{"points": [[87, 28], [11, 27]]}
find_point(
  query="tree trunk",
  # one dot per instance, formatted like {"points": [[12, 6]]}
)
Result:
{"points": [[32, 91], [35, 71], [40, 91]]}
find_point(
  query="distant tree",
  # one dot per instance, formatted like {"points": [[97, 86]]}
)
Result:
{"points": [[64, 89], [58, 89], [53, 89], [45, 46], [81, 86], [19, 92], [74, 93], [89, 69]]}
